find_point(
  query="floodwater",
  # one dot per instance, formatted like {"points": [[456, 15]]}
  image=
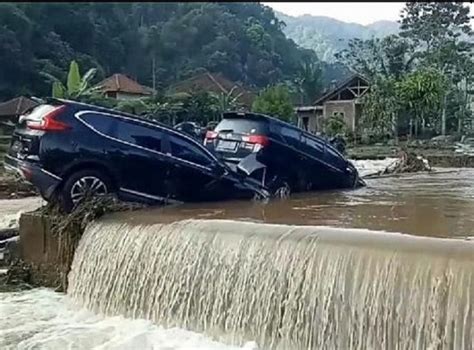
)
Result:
{"points": [[439, 204]]}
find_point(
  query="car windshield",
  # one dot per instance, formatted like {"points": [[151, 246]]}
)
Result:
{"points": [[242, 126]]}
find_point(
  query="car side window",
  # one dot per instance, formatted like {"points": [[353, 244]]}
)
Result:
{"points": [[101, 123], [319, 146], [183, 149], [291, 136], [141, 135]]}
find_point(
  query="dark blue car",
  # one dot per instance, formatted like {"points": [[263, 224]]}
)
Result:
{"points": [[69, 150], [292, 159]]}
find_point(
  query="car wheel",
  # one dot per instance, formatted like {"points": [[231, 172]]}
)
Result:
{"points": [[84, 184]]}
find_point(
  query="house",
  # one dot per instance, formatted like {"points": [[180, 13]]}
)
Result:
{"points": [[216, 83], [342, 100], [12, 109], [121, 87]]}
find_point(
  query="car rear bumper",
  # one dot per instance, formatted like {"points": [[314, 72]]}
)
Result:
{"points": [[43, 180]]}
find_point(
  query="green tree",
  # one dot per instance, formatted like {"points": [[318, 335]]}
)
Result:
{"points": [[275, 101], [389, 57], [381, 107], [439, 31], [156, 43], [420, 93], [309, 82], [137, 107], [76, 86], [335, 125]]}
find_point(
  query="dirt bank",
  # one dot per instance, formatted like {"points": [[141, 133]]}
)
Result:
{"points": [[11, 187]]}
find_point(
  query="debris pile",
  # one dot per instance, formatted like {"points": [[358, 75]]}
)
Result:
{"points": [[69, 227], [407, 162]]}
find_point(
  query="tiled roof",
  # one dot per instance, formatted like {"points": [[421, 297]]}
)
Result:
{"points": [[16, 106], [122, 83], [216, 83]]}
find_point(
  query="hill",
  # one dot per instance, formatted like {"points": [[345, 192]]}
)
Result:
{"points": [[170, 41], [327, 36]]}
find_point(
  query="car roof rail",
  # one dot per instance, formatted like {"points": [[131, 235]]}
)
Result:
{"points": [[103, 109], [250, 115]]}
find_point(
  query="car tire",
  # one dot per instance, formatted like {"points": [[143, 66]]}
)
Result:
{"points": [[84, 183]]}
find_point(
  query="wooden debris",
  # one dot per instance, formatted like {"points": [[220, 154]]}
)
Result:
{"points": [[407, 162]]}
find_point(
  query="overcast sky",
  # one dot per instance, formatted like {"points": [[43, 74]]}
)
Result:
{"points": [[358, 12]]}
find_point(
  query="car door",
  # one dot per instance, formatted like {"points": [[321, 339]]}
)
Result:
{"points": [[194, 173], [144, 166]]}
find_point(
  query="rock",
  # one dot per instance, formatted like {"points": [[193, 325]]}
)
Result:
{"points": [[18, 273]]}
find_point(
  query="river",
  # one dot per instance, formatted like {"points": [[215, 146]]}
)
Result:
{"points": [[435, 205]]}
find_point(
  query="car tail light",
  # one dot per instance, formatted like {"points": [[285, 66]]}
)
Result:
{"points": [[257, 139], [211, 134], [49, 122]]}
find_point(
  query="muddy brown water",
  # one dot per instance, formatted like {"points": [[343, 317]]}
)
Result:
{"points": [[296, 285], [439, 204]]}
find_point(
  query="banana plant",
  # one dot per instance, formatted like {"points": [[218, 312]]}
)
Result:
{"points": [[227, 101], [76, 85]]}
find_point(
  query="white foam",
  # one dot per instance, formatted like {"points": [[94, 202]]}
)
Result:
{"points": [[43, 319], [366, 167]]}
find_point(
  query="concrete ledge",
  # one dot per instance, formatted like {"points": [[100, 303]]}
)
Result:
{"points": [[40, 249]]}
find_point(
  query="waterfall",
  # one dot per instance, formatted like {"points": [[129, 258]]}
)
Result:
{"points": [[286, 287]]}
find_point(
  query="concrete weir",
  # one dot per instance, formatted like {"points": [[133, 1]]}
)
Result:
{"points": [[286, 287], [283, 286]]}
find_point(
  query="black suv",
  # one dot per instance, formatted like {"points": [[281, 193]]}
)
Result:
{"points": [[294, 160], [72, 149]]}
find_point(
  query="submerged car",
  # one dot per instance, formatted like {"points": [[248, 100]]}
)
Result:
{"points": [[70, 150], [292, 160]]}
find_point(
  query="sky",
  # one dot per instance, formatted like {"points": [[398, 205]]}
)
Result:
{"points": [[357, 12]]}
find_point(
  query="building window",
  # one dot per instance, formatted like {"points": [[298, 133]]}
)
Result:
{"points": [[338, 114]]}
